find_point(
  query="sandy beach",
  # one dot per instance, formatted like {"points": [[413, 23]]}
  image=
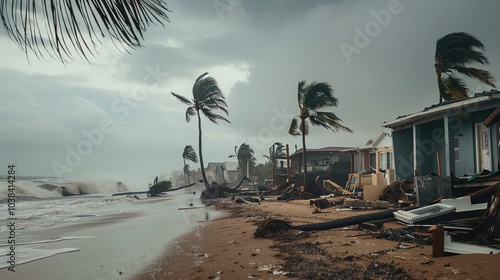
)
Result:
{"points": [[226, 249]]}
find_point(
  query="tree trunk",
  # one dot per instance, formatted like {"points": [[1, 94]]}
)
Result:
{"points": [[304, 158], [186, 172], [201, 154]]}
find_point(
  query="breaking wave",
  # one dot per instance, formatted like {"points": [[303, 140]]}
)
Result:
{"points": [[27, 189]]}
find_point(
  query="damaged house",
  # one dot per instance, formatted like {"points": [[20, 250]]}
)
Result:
{"points": [[445, 147], [372, 166]]}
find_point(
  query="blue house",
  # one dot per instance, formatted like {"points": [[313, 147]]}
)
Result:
{"points": [[459, 138]]}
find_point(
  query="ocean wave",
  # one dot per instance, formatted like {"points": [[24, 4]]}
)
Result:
{"points": [[38, 188]]}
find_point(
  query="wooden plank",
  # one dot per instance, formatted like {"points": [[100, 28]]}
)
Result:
{"points": [[337, 186], [493, 118]]}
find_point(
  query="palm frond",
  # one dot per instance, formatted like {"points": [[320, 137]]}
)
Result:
{"points": [[294, 127], [319, 95], [483, 76], [212, 116], [197, 82], [455, 88], [190, 112], [454, 41], [328, 120], [182, 99], [60, 28], [301, 90]]}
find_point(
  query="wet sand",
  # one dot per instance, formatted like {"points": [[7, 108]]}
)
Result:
{"points": [[226, 249]]}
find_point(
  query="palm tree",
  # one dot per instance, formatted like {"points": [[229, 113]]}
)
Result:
{"points": [[61, 27], [453, 52], [277, 153], [207, 97], [311, 98], [244, 153], [190, 155]]}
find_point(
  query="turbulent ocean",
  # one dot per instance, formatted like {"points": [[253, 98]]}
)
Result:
{"points": [[79, 230]]}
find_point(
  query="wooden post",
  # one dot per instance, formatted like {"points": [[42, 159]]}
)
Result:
{"points": [[287, 163], [437, 241], [438, 163]]}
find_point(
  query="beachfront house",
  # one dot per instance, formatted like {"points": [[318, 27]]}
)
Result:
{"points": [[456, 138], [321, 160], [375, 157]]}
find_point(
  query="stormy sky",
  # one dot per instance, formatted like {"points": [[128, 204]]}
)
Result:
{"points": [[114, 118]]}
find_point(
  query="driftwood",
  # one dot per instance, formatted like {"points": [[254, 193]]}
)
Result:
{"points": [[157, 189]]}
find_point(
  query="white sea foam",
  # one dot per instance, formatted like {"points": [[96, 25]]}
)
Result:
{"points": [[27, 254], [119, 224], [52, 187]]}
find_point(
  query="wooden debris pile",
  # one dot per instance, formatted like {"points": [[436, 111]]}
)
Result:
{"points": [[293, 190]]}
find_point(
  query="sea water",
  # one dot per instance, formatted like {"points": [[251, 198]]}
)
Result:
{"points": [[91, 236]]}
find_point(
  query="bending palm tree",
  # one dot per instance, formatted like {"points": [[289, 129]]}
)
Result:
{"points": [[453, 52], [311, 98], [56, 25], [188, 154], [206, 98], [244, 153]]}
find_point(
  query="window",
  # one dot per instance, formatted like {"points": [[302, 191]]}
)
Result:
{"points": [[386, 160], [456, 146], [383, 161]]}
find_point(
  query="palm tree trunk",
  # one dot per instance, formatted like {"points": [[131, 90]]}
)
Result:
{"points": [[304, 159], [438, 74], [186, 174], [201, 154]]}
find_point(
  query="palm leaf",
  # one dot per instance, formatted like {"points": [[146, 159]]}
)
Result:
{"points": [[190, 112], [455, 87], [60, 28], [294, 127], [182, 99], [483, 76], [213, 117], [190, 154]]}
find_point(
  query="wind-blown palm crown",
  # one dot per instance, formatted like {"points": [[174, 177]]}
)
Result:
{"points": [[206, 97], [59, 28], [312, 98], [453, 52], [188, 154], [245, 155]]}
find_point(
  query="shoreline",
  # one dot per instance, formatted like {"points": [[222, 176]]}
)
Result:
{"points": [[225, 248]]}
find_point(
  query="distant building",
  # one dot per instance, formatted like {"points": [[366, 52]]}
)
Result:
{"points": [[327, 158], [222, 172]]}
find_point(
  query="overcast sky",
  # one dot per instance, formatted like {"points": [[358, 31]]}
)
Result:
{"points": [[117, 114]]}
